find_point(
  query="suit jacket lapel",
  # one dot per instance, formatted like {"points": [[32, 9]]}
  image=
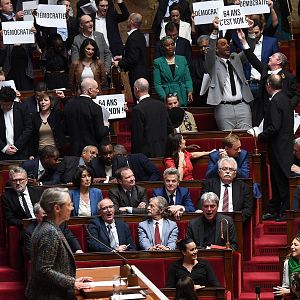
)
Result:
{"points": [[235, 194], [165, 232], [151, 231]]}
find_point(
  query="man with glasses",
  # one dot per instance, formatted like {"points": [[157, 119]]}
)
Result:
{"points": [[234, 194], [114, 233], [19, 200]]}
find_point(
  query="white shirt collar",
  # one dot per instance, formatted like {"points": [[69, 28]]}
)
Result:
{"points": [[131, 31], [143, 97]]}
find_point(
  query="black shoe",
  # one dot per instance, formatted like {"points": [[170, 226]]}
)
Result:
{"points": [[269, 216], [281, 218]]}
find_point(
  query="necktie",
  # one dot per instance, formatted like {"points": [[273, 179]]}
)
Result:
{"points": [[171, 201], [231, 77], [112, 240], [129, 194], [225, 199], [27, 211], [156, 235]]}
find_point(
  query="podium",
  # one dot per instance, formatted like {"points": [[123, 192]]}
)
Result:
{"points": [[104, 275]]}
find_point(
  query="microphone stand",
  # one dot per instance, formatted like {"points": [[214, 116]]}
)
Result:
{"points": [[132, 278], [227, 245]]}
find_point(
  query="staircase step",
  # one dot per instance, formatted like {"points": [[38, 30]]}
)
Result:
{"points": [[252, 296], [272, 227], [269, 244], [266, 281], [10, 274], [12, 291], [262, 264]]}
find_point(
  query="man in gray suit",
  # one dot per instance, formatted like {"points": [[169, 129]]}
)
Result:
{"points": [[229, 91], [157, 233], [87, 31]]}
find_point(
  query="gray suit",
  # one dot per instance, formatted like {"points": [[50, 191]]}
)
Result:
{"points": [[217, 70], [146, 234], [104, 52]]}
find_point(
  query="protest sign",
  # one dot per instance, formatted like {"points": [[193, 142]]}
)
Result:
{"points": [[232, 17], [28, 8], [206, 11], [9, 83], [17, 32], [114, 104], [251, 7], [51, 16]]}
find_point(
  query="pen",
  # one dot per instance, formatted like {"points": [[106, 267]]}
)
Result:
{"points": [[127, 245]]}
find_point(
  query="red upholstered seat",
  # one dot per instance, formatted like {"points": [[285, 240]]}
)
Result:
{"points": [[79, 232], [14, 249], [134, 232], [205, 122]]}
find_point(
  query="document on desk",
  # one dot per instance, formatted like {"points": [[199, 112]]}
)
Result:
{"points": [[131, 296], [105, 283]]}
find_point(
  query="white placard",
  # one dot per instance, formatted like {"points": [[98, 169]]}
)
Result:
{"points": [[252, 7], [89, 8], [28, 8], [17, 32], [10, 83], [206, 11], [51, 16], [232, 17], [114, 104]]}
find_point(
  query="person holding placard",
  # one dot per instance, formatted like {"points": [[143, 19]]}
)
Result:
{"points": [[87, 66]]}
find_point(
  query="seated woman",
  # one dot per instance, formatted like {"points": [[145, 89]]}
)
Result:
{"points": [[185, 289], [47, 127], [291, 265], [171, 74], [84, 197], [188, 123], [177, 157], [190, 265], [87, 66]]}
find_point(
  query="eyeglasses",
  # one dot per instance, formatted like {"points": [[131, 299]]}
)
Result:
{"points": [[224, 169], [18, 180], [107, 207], [172, 95]]}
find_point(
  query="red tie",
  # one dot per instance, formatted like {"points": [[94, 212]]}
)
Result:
{"points": [[225, 199], [157, 240]]}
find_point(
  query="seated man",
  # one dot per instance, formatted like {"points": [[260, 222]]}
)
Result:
{"points": [[43, 170], [231, 148], [233, 193], [113, 233], [19, 200], [39, 215], [127, 196], [296, 163], [178, 198], [69, 164], [141, 166], [205, 230], [158, 232]]}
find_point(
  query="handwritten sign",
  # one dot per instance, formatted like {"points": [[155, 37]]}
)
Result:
{"points": [[51, 16], [232, 17], [28, 8], [114, 104], [251, 7], [206, 11], [17, 32]]}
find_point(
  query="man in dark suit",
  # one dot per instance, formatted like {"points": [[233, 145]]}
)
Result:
{"points": [[150, 123], [112, 232], [205, 230], [84, 119], [68, 166], [182, 46], [141, 166], [15, 127], [39, 214], [233, 194], [7, 12], [276, 65], [106, 21], [127, 196], [43, 170], [18, 201], [134, 59], [231, 147], [179, 198], [162, 14], [278, 134]]}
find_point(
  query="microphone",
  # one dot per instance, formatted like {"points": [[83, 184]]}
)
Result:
{"points": [[125, 267], [227, 245], [257, 292]]}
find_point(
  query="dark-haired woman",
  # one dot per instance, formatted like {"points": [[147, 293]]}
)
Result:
{"points": [[87, 66], [84, 197], [47, 128], [185, 289], [177, 157], [192, 266], [171, 74]]}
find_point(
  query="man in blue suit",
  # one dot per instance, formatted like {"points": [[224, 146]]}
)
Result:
{"points": [[158, 232], [179, 198], [231, 148], [112, 232]]}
